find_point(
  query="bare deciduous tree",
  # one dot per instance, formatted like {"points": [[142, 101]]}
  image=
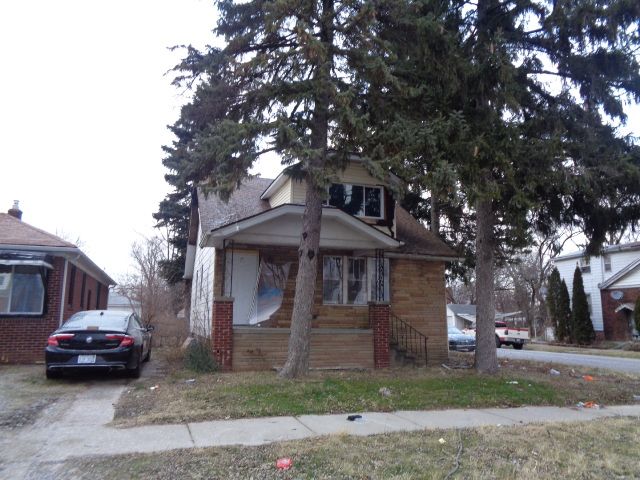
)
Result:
{"points": [[145, 285]]}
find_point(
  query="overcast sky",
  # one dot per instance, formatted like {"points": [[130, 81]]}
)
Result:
{"points": [[84, 105]]}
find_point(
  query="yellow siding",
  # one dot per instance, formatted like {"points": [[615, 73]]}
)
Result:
{"points": [[355, 173], [282, 195]]}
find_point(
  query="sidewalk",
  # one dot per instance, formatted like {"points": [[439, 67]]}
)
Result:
{"points": [[80, 440], [82, 429]]}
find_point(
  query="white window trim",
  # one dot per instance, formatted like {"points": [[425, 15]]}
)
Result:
{"points": [[9, 313], [379, 187]]}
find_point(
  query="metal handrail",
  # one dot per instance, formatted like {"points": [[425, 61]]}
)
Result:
{"points": [[408, 338]]}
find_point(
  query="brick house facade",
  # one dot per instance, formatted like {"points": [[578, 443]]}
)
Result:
{"points": [[71, 283], [373, 265]]}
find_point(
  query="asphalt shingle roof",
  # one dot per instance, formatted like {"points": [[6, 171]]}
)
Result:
{"points": [[17, 232], [244, 202], [417, 239]]}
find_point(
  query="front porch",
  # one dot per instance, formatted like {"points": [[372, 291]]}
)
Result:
{"points": [[361, 283]]}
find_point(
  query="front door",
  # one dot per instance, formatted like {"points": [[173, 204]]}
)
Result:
{"points": [[243, 284]]}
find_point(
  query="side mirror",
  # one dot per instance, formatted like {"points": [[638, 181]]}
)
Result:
{"points": [[150, 328]]}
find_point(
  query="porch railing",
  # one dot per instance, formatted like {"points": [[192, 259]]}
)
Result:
{"points": [[409, 341]]}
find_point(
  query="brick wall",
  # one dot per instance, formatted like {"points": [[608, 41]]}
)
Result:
{"points": [[222, 332], [616, 325], [266, 348], [23, 339], [379, 318], [418, 297]]}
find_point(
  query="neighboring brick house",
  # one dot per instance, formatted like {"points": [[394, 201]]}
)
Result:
{"points": [[380, 274], [612, 285], [43, 281]]}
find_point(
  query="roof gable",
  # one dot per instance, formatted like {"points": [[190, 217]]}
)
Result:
{"points": [[624, 273]]}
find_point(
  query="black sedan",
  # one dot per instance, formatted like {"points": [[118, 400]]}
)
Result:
{"points": [[99, 339], [461, 342]]}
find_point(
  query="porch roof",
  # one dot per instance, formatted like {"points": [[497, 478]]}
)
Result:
{"points": [[282, 225]]}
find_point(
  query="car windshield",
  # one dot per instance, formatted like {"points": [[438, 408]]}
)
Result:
{"points": [[100, 320], [454, 331]]}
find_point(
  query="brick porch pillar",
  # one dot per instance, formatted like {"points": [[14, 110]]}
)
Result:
{"points": [[379, 322], [222, 332]]}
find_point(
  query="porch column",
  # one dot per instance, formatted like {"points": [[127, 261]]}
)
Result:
{"points": [[222, 332], [379, 322]]}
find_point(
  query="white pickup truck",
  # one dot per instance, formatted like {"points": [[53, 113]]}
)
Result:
{"points": [[507, 335]]}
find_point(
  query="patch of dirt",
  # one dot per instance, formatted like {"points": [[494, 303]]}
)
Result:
{"points": [[25, 414]]}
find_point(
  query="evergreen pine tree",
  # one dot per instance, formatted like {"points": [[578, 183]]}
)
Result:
{"points": [[582, 331], [636, 315], [553, 297], [288, 80], [526, 153], [563, 330]]}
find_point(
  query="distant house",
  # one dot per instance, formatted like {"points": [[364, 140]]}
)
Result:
{"points": [[43, 281], [122, 303], [380, 279], [464, 316], [612, 285]]}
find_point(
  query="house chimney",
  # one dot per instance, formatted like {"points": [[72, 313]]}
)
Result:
{"points": [[15, 210]]}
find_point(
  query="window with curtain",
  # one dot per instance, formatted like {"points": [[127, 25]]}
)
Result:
{"points": [[356, 283], [332, 280], [22, 289]]}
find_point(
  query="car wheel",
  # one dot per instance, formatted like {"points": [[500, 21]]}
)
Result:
{"points": [[517, 346], [147, 357], [135, 372], [498, 344], [53, 374]]}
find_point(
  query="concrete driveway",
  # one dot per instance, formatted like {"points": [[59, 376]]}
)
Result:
{"points": [[624, 365], [66, 423]]}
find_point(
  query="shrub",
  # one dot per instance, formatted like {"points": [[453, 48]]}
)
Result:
{"points": [[199, 358], [582, 331]]}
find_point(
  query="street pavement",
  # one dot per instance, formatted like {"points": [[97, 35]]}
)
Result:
{"points": [[625, 365]]}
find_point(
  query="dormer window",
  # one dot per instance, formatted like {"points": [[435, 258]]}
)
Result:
{"points": [[357, 200]]}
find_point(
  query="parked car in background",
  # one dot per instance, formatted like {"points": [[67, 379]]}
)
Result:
{"points": [[101, 340], [507, 335], [461, 342]]}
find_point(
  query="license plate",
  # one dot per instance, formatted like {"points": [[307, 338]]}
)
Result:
{"points": [[86, 359]]}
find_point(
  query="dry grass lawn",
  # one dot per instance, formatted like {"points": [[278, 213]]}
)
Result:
{"points": [[238, 395], [593, 450]]}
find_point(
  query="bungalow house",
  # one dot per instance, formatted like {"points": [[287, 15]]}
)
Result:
{"points": [[43, 281], [612, 285], [380, 275]]}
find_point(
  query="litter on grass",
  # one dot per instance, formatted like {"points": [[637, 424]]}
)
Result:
{"points": [[385, 392], [512, 382], [593, 405], [554, 372], [284, 463], [154, 387], [587, 378], [442, 441], [190, 381]]}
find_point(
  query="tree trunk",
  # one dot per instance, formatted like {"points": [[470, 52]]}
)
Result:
{"points": [[297, 363], [486, 358], [435, 215]]}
